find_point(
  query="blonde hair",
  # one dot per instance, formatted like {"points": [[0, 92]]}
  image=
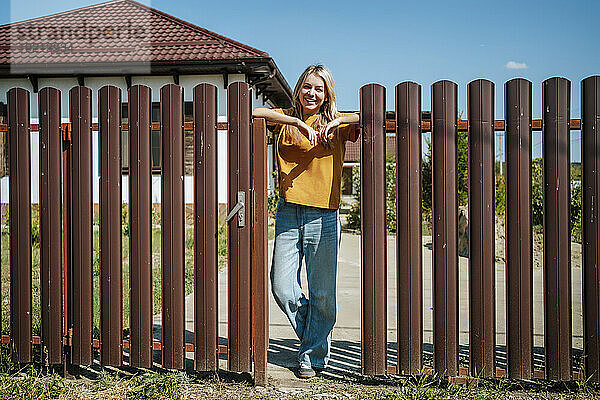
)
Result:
{"points": [[328, 110]]}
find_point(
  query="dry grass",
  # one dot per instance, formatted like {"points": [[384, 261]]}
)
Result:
{"points": [[32, 384], [156, 275]]}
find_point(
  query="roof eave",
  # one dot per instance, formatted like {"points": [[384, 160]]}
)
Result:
{"points": [[282, 93]]}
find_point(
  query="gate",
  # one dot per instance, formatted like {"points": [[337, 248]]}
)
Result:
{"points": [[66, 253]]}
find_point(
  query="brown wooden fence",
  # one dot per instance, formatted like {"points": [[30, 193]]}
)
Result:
{"points": [[518, 125], [66, 212], [66, 229]]}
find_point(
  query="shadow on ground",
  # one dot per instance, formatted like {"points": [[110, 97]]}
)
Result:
{"points": [[346, 356], [345, 362]]}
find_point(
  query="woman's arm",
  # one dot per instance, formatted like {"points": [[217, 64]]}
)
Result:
{"points": [[279, 118], [275, 117], [349, 119], [342, 119]]}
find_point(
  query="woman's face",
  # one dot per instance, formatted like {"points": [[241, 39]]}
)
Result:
{"points": [[312, 95]]}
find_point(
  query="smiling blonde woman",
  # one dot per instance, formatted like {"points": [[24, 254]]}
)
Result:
{"points": [[310, 155]]}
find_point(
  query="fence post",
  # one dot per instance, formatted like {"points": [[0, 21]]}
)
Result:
{"points": [[50, 224], [206, 262], [67, 150], [373, 231], [557, 237], [172, 223], [111, 287], [590, 141], [80, 223], [20, 224], [445, 234], [482, 276], [409, 263], [519, 245], [260, 298], [239, 276], [140, 226]]}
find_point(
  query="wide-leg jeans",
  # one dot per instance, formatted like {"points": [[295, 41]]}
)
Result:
{"points": [[312, 234]]}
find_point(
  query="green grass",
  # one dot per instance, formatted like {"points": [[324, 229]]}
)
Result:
{"points": [[156, 275], [156, 269], [32, 383]]}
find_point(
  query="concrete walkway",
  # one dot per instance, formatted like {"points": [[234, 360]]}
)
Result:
{"points": [[346, 349]]}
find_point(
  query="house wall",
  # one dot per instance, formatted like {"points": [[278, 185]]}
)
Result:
{"points": [[155, 83]]}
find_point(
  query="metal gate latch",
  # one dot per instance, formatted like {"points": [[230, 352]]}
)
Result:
{"points": [[239, 209]]}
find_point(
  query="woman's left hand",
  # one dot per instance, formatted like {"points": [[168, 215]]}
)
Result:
{"points": [[326, 133]]}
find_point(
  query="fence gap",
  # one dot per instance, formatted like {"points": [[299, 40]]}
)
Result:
{"points": [[239, 276], [206, 262], [557, 236], [409, 263], [445, 234]]}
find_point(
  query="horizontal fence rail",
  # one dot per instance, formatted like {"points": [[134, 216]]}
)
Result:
{"points": [[390, 125], [66, 230]]}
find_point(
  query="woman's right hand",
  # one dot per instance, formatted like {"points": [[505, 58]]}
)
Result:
{"points": [[308, 131]]}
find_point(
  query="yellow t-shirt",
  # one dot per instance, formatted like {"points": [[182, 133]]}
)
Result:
{"points": [[312, 175]]}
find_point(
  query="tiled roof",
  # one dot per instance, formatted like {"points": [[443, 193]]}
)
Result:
{"points": [[116, 31]]}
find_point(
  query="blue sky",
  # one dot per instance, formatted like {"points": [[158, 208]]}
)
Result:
{"points": [[393, 41]]}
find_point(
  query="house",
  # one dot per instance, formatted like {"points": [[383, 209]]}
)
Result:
{"points": [[124, 43]]}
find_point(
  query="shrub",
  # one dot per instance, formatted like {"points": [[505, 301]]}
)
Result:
{"points": [[463, 173], [273, 196], [575, 214], [125, 219], [353, 218], [500, 197], [537, 192], [537, 201]]}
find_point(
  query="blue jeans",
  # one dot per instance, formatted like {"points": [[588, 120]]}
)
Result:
{"points": [[313, 234]]}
